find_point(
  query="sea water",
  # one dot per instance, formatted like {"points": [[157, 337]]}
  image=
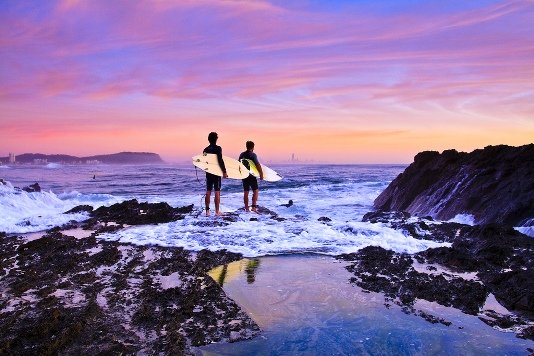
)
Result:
{"points": [[341, 193], [304, 305]]}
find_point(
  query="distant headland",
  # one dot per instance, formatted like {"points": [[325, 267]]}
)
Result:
{"points": [[115, 158]]}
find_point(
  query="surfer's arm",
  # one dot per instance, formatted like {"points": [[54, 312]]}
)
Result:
{"points": [[257, 164], [260, 171], [221, 163]]}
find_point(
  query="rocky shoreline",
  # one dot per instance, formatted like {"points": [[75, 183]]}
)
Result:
{"points": [[494, 185], [65, 294], [481, 261]]}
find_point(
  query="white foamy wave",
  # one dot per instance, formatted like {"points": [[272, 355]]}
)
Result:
{"points": [[96, 200], [268, 237], [466, 219], [53, 165], [528, 230], [4, 167], [527, 227], [23, 212]]}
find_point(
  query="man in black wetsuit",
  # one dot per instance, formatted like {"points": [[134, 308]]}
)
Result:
{"points": [[213, 182], [251, 182]]}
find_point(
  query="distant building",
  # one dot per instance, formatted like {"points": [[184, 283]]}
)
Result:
{"points": [[12, 158], [92, 161], [40, 161]]}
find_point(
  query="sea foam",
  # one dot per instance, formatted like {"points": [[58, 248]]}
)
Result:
{"points": [[466, 219], [269, 237], [24, 212]]}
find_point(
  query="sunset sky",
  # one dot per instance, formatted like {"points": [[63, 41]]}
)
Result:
{"points": [[330, 81]]}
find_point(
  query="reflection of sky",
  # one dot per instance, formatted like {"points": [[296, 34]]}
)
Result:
{"points": [[383, 79], [305, 305]]}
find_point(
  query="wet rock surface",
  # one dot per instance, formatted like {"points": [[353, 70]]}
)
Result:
{"points": [[481, 260], [494, 184], [33, 188], [63, 295], [132, 212]]}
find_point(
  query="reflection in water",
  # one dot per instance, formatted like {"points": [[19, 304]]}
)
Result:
{"points": [[252, 266], [222, 275], [229, 272], [306, 305]]}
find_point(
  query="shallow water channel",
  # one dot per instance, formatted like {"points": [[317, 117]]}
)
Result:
{"points": [[305, 305]]}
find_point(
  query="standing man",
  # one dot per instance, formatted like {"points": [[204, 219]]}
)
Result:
{"points": [[213, 182], [251, 182]]}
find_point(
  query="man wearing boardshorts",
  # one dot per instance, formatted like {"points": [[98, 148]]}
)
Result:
{"points": [[213, 182], [250, 182]]}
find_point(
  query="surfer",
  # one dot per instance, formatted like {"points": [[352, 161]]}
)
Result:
{"points": [[213, 182], [250, 182]]}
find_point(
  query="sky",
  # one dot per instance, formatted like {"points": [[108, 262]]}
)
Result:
{"points": [[326, 81]]}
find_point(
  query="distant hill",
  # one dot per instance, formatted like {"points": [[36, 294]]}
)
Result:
{"points": [[115, 158]]}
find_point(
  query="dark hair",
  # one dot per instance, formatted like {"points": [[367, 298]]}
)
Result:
{"points": [[212, 137], [250, 145]]}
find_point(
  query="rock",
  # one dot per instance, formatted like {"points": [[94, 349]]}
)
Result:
{"points": [[495, 185], [80, 209], [34, 188], [502, 258], [62, 295], [379, 270], [131, 212], [289, 203]]}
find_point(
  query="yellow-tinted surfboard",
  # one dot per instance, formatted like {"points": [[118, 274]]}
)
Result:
{"points": [[269, 174]]}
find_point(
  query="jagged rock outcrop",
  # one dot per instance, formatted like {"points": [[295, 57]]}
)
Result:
{"points": [[494, 184]]}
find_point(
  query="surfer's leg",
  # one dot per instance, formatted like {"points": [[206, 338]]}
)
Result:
{"points": [[255, 190], [217, 202], [246, 188], [255, 194], [218, 195], [245, 200], [207, 202]]}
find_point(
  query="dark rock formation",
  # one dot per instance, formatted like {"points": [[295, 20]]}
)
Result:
{"points": [[80, 209], [495, 185], [503, 258], [131, 212], [289, 203], [62, 295], [379, 270], [33, 188], [499, 258]]}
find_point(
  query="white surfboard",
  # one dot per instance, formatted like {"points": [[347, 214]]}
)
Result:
{"points": [[269, 174], [208, 163]]}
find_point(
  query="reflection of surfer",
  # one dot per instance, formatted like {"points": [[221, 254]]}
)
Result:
{"points": [[251, 181], [252, 266], [94, 176], [213, 182]]}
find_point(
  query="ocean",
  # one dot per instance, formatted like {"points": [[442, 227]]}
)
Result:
{"points": [[341, 193]]}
